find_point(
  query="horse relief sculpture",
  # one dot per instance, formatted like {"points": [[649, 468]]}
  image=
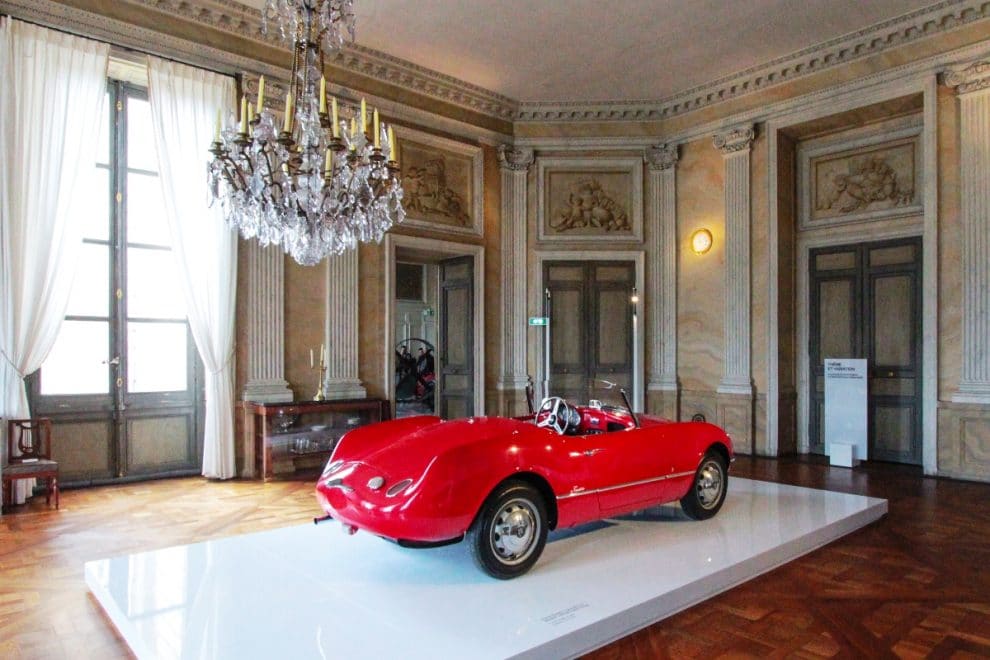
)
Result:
{"points": [[426, 192], [589, 206], [870, 180]]}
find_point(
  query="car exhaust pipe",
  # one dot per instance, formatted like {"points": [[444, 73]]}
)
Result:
{"points": [[317, 521], [350, 530]]}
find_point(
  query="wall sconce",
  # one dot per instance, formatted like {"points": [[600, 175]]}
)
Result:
{"points": [[701, 241]]}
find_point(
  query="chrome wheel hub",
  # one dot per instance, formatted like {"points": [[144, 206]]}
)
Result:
{"points": [[514, 531], [709, 484]]}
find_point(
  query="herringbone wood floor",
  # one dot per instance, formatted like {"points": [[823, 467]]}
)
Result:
{"points": [[915, 584]]}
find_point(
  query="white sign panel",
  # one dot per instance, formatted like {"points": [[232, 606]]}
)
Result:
{"points": [[845, 405]]}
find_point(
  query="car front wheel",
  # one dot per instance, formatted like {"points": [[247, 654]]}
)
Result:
{"points": [[708, 488], [510, 531]]}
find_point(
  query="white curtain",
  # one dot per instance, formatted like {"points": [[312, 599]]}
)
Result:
{"points": [[184, 104], [52, 91]]}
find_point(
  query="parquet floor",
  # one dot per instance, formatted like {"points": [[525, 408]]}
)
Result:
{"points": [[915, 584]]}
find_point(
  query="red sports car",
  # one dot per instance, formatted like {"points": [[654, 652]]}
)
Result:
{"points": [[503, 483]]}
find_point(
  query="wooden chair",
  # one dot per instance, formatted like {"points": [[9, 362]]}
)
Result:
{"points": [[29, 456]]}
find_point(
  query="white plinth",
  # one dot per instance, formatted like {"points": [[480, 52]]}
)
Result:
{"points": [[843, 455], [313, 592]]}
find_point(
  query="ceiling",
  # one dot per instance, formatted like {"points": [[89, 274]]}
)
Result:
{"points": [[605, 50]]}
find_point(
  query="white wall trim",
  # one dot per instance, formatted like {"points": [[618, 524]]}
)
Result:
{"points": [[536, 304], [448, 249]]}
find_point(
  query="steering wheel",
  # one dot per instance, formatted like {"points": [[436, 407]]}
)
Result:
{"points": [[555, 410]]}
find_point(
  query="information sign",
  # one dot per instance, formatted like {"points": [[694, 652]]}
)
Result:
{"points": [[845, 406], [539, 320]]}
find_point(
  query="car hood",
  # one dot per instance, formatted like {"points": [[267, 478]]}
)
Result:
{"points": [[412, 443]]}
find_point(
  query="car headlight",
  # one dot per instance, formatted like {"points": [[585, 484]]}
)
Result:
{"points": [[398, 487]]}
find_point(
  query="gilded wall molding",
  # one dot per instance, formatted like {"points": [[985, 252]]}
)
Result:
{"points": [[926, 22]]}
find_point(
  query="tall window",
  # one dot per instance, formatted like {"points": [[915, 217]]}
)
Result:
{"points": [[125, 343]]}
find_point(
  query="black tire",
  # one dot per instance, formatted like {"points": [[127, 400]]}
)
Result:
{"points": [[502, 552], [711, 481]]}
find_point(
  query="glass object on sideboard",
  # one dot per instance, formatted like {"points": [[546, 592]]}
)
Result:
{"points": [[296, 439]]}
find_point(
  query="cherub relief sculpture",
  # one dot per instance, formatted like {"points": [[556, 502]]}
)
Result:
{"points": [[871, 180], [425, 191], [589, 206]]}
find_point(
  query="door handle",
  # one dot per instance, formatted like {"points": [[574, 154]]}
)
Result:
{"points": [[591, 452], [114, 362]]}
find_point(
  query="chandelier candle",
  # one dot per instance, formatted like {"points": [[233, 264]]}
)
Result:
{"points": [[321, 184]]}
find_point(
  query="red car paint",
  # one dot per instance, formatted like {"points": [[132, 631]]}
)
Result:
{"points": [[454, 466]]}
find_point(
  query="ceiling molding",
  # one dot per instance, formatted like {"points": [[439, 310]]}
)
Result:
{"points": [[236, 18], [245, 22], [941, 17]]}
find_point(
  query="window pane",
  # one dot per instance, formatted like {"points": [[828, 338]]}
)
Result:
{"points": [[94, 208], [156, 357], [91, 285], [76, 363], [152, 285], [146, 210], [103, 146], [141, 152]]}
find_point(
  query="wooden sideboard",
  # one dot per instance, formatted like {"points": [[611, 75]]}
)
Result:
{"points": [[295, 439]]}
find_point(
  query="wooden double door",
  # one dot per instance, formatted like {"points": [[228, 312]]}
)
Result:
{"points": [[865, 302], [591, 327]]}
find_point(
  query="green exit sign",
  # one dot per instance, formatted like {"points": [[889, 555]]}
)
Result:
{"points": [[539, 320]]}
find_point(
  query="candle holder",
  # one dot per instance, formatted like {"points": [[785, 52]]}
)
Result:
{"points": [[320, 394]]}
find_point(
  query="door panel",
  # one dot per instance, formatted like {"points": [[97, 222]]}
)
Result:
{"points": [[456, 341], [590, 328], [866, 303]]}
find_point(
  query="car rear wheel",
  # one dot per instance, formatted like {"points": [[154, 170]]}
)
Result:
{"points": [[708, 488], [510, 531]]}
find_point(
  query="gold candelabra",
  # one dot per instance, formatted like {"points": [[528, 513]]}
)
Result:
{"points": [[322, 368]]}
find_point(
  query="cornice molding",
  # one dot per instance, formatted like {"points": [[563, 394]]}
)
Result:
{"points": [[661, 156], [513, 158], [237, 19], [966, 78], [739, 138], [244, 21], [941, 17]]}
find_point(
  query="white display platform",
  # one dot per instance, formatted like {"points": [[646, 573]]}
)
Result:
{"points": [[314, 592]]}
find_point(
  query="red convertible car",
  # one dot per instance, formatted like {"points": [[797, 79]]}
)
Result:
{"points": [[503, 483]]}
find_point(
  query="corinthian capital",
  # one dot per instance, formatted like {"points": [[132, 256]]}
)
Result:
{"points": [[735, 139], [968, 77], [511, 158], [661, 156]]}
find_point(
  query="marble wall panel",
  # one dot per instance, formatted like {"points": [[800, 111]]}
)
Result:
{"points": [[699, 402], [305, 314], [949, 237], [371, 319], [964, 441], [700, 296]]}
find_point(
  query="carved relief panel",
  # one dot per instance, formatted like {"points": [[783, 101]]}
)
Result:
{"points": [[595, 200], [871, 178], [441, 182]]}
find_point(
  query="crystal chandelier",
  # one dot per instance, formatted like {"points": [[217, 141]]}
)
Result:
{"points": [[319, 183]]}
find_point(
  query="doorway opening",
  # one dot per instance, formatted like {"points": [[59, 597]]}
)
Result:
{"points": [[865, 302], [434, 327], [591, 327]]}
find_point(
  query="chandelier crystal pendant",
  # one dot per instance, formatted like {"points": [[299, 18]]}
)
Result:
{"points": [[321, 182]]}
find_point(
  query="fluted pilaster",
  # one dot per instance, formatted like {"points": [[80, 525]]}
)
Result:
{"points": [[342, 337], [735, 147], [266, 323], [514, 164], [972, 84], [661, 299]]}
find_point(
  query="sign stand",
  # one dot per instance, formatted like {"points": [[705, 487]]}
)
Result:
{"points": [[845, 411]]}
